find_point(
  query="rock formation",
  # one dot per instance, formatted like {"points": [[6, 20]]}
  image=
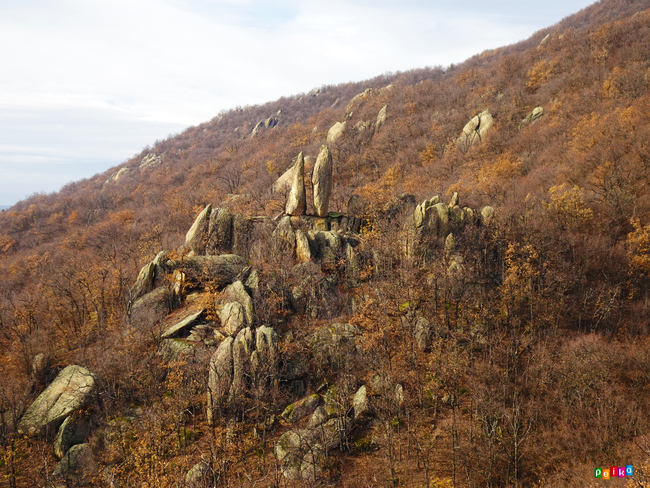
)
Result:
{"points": [[322, 181], [381, 118], [531, 118], [67, 393], [297, 199], [475, 130], [151, 160], [335, 132], [118, 174]]}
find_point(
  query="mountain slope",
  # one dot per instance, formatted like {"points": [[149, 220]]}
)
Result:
{"points": [[508, 341]]}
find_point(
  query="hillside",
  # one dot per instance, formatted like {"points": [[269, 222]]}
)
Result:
{"points": [[467, 306]]}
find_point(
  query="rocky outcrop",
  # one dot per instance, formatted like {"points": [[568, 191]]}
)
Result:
{"points": [[301, 409], [297, 199], [151, 160], [302, 453], [73, 430], [322, 181], [195, 239], [151, 308], [475, 130], [434, 219], [77, 466], [381, 117], [118, 174], [533, 117], [69, 392], [248, 360], [335, 132], [182, 322], [236, 293], [220, 375], [219, 232], [266, 124], [200, 475]]}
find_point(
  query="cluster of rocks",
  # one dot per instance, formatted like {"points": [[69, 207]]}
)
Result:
{"points": [[248, 360], [475, 130], [151, 160], [326, 421], [435, 219], [266, 123], [60, 409]]}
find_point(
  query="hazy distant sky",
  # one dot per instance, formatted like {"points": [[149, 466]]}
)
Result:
{"points": [[86, 84]]}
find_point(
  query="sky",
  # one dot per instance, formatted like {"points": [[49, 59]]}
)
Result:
{"points": [[86, 84]]}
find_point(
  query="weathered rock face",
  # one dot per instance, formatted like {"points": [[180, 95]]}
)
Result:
{"points": [[297, 199], [68, 392], [335, 345], [534, 116], [322, 180], [195, 239], [118, 174], [302, 453], [233, 318], [219, 270], [73, 430], [249, 359], [236, 292], [335, 132], [181, 323], [301, 409], [358, 99], [145, 281], [219, 238], [381, 117], [151, 308], [151, 160], [433, 219], [475, 130], [77, 465]]}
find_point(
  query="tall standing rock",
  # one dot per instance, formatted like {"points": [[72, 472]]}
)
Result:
{"points": [[322, 179], [297, 200], [196, 236]]}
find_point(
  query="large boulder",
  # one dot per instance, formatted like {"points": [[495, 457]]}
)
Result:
{"points": [[219, 270], [73, 430], [151, 308], [69, 392], [301, 409], [322, 181], [196, 237], [233, 317], [77, 466], [534, 116], [475, 130], [335, 132], [220, 375], [144, 282], [297, 200], [181, 322], [219, 232], [236, 292]]}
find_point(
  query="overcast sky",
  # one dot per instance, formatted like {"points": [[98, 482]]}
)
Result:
{"points": [[86, 84]]}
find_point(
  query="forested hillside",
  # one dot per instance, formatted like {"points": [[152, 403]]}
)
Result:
{"points": [[468, 307]]}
